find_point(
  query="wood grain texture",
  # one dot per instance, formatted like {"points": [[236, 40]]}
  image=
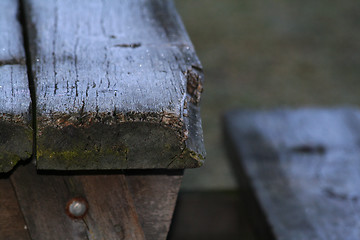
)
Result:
{"points": [[15, 103], [304, 167], [155, 198], [12, 224], [43, 198], [113, 214], [118, 85]]}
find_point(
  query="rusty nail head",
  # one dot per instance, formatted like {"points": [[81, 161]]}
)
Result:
{"points": [[77, 208]]}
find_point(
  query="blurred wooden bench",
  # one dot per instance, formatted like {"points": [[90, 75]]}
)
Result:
{"points": [[102, 97], [303, 167]]}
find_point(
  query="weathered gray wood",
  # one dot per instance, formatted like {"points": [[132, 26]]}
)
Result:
{"points": [[155, 197], [43, 199], [15, 129], [304, 167], [118, 85]]}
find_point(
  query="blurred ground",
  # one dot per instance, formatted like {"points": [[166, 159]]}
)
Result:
{"points": [[210, 216], [261, 54]]}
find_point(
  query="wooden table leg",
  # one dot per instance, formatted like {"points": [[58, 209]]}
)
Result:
{"points": [[12, 223], [155, 198], [120, 206]]}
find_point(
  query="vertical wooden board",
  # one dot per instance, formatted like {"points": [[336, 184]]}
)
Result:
{"points": [[155, 198], [118, 85], [112, 214], [12, 224], [15, 103], [304, 168], [43, 199]]}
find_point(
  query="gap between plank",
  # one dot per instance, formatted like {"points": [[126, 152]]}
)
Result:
{"points": [[24, 26]]}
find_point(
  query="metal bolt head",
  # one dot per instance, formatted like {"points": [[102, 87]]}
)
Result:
{"points": [[77, 208]]}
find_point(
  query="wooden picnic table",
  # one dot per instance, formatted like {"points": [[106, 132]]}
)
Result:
{"points": [[99, 115]]}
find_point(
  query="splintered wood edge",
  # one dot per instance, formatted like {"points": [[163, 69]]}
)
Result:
{"points": [[179, 130], [185, 131]]}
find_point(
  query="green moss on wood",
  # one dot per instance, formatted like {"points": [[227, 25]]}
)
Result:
{"points": [[15, 144], [187, 159], [8, 161], [81, 160], [134, 145]]}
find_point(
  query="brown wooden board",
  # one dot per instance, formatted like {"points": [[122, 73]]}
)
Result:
{"points": [[155, 198], [43, 199], [15, 104], [134, 205], [12, 224], [304, 168], [117, 84]]}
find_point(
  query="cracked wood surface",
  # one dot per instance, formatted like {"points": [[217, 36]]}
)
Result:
{"points": [[117, 84], [304, 168], [15, 103]]}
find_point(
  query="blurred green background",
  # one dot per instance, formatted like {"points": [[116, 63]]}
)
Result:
{"points": [[262, 54]]}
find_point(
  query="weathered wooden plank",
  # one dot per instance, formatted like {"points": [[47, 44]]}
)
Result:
{"points": [[12, 224], [118, 85], [15, 129], [304, 167], [43, 200], [155, 198]]}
